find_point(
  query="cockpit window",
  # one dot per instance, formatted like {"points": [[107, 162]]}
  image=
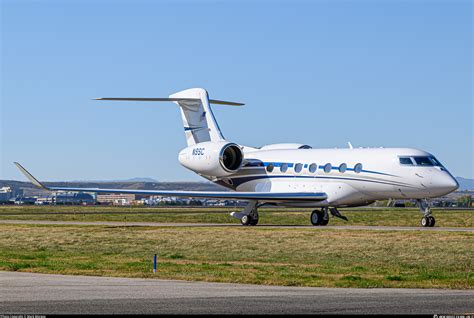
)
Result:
{"points": [[406, 161], [420, 161], [435, 161], [423, 161]]}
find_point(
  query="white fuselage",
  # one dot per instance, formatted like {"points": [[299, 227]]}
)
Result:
{"points": [[366, 174]]}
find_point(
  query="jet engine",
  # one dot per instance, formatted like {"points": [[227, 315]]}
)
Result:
{"points": [[217, 159]]}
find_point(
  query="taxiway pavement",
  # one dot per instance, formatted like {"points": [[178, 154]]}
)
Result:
{"points": [[22, 293]]}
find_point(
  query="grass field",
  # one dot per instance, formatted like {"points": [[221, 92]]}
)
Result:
{"points": [[292, 257], [276, 256], [278, 216]]}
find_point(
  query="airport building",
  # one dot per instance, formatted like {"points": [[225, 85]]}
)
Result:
{"points": [[6, 194], [9, 194], [45, 200], [116, 199], [21, 200], [73, 198]]}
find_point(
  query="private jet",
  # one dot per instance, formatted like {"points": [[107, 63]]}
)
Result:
{"points": [[291, 174]]}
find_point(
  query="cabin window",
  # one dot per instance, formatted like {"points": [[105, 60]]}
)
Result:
{"points": [[313, 167], [270, 167], [284, 167], [423, 161], [406, 161], [298, 167], [327, 167], [342, 168], [358, 168]]}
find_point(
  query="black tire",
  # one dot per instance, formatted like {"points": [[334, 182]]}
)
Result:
{"points": [[316, 217], [425, 221], [432, 221], [254, 221], [246, 220], [324, 221]]}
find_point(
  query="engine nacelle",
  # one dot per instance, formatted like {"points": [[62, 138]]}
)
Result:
{"points": [[285, 146], [217, 159]]}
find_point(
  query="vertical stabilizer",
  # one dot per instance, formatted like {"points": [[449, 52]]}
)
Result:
{"points": [[199, 122]]}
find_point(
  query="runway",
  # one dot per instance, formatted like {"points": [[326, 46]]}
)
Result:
{"points": [[23, 293], [328, 227]]}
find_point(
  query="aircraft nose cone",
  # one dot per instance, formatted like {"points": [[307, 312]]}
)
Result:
{"points": [[452, 185], [448, 184]]}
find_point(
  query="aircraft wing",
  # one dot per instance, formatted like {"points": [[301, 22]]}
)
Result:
{"points": [[220, 195]]}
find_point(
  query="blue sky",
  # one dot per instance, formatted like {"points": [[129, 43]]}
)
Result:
{"points": [[376, 73]]}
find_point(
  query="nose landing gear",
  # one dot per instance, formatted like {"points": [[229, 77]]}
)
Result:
{"points": [[428, 220]]}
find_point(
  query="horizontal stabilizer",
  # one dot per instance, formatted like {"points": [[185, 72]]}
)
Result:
{"points": [[212, 101]]}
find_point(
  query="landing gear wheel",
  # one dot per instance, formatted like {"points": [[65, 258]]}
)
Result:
{"points": [[432, 221], [249, 220], [246, 220], [425, 221], [324, 221], [317, 217]]}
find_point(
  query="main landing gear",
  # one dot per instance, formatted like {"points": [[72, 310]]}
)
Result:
{"points": [[251, 219], [249, 216], [321, 217], [428, 220]]}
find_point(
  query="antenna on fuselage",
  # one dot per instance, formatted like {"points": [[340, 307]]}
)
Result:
{"points": [[350, 145]]}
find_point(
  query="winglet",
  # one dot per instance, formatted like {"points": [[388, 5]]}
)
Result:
{"points": [[30, 177]]}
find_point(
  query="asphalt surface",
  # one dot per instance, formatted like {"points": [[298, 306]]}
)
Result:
{"points": [[344, 227], [28, 293]]}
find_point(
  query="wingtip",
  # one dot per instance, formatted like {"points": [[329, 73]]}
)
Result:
{"points": [[30, 177]]}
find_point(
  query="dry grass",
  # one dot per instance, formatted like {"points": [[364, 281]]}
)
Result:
{"points": [[299, 257]]}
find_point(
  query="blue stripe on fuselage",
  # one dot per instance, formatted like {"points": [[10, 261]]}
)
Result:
{"points": [[240, 180]]}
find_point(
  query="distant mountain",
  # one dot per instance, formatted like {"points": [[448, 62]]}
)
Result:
{"points": [[139, 180], [465, 184]]}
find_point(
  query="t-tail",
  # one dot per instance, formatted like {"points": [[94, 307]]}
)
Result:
{"points": [[199, 122]]}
